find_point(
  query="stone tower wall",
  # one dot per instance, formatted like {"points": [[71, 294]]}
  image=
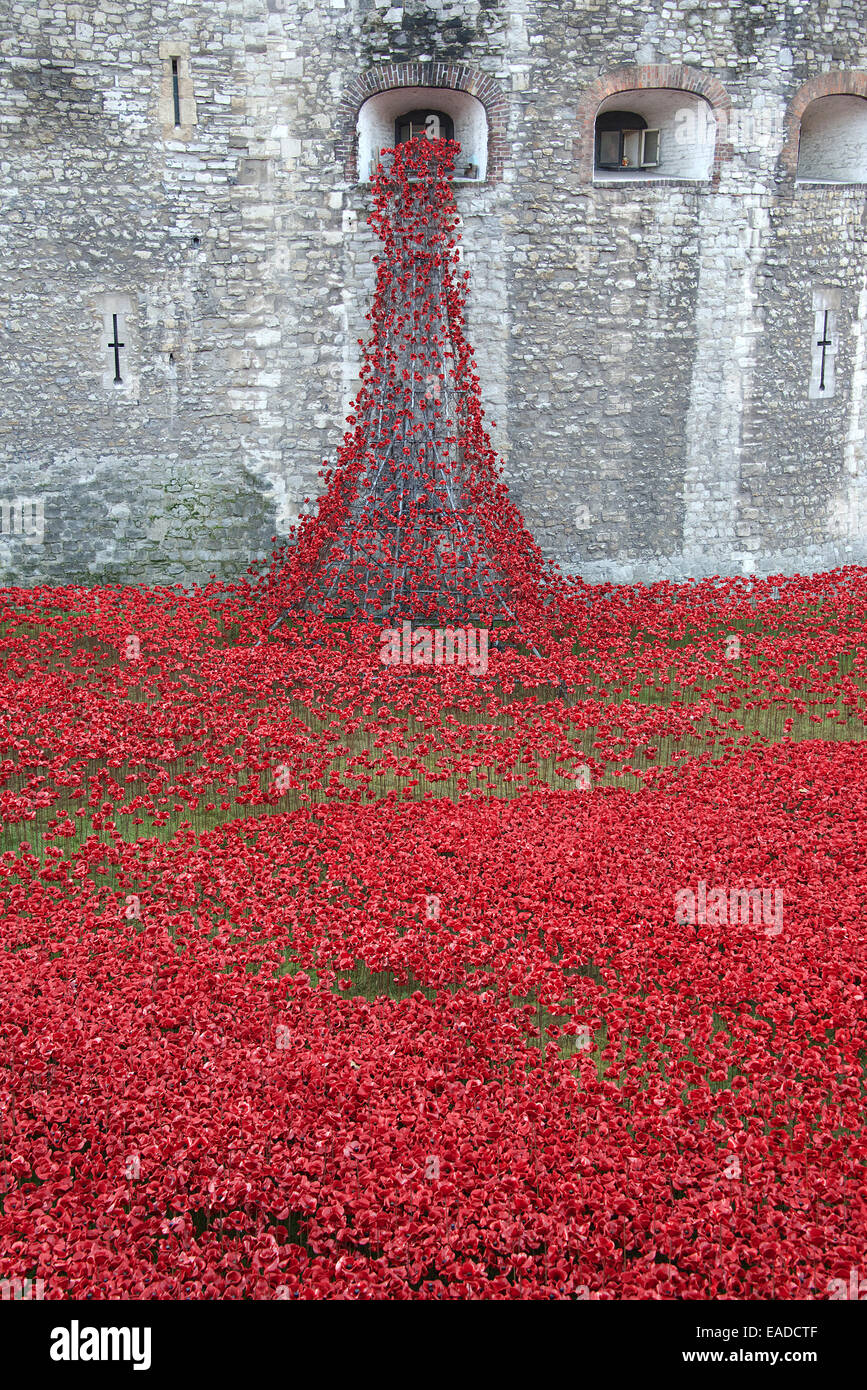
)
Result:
{"points": [[645, 348]]}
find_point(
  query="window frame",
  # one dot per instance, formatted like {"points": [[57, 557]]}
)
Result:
{"points": [[418, 117], [645, 162], [630, 127]]}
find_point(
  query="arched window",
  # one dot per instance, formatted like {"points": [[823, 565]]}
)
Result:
{"points": [[833, 145], [435, 125], [393, 116], [665, 133]]}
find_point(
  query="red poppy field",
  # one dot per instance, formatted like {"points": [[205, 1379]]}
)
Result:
{"points": [[328, 978]]}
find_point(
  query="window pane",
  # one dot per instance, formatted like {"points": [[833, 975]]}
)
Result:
{"points": [[609, 147], [413, 123], [632, 148], [650, 152]]}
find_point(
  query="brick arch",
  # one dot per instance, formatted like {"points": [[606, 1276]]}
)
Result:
{"points": [[838, 83], [459, 77], [649, 76]]}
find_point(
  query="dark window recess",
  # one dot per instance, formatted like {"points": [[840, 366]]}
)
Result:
{"points": [[824, 343], [176, 90], [623, 141], [117, 345], [435, 123]]}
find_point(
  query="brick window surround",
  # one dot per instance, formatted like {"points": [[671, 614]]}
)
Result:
{"points": [[460, 77], [838, 83], [646, 77]]}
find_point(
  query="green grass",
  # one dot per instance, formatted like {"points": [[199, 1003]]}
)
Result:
{"points": [[497, 776]]}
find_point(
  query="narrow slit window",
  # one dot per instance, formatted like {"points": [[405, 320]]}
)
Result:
{"points": [[826, 306], [115, 344], [177, 102], [176, 90], [114, 314], [823, 343]]}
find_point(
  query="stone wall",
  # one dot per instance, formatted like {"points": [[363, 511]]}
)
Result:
{"points": [[646, 347]]}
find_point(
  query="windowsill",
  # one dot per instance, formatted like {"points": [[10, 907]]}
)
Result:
{"points": [[831, 183], [365, 183], [632, 178]]}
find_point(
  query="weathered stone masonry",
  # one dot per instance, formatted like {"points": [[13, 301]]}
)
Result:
{"points": [[646, 345]]}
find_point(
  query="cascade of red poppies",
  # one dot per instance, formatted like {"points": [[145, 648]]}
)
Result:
{"points": [[456, 1022], [415, 521]]}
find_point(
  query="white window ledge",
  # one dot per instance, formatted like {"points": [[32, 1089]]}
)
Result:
{"points": [[481, 183], [639, 176]]}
